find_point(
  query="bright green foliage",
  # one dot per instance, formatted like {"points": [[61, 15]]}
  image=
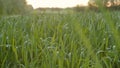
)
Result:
{"points": [[60, 40]]}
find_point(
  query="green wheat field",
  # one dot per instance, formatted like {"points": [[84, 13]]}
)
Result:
{"points": [[61, 40]]}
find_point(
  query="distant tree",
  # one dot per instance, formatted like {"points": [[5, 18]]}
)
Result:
{"points": [[29, 8], [114, 4], [104, 2], [13, 6], [1, 7]]}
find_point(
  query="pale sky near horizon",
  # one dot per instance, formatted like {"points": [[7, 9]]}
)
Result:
{"points": [[56, 3]]}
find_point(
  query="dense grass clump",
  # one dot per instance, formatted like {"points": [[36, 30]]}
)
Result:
{"points": [[55, 40]]}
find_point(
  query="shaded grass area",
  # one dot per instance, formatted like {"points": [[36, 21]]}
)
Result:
{"points": [[53, 40]]}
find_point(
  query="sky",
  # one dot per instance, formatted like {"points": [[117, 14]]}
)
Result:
{"points": [[57, 3]]}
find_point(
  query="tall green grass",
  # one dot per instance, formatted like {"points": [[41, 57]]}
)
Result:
{"points": [[55, 40]]}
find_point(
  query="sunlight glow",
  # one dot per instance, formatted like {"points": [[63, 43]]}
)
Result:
{"points": [[57, 3]]}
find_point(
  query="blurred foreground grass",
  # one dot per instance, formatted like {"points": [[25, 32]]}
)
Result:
{"points": [[55, 40]]}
